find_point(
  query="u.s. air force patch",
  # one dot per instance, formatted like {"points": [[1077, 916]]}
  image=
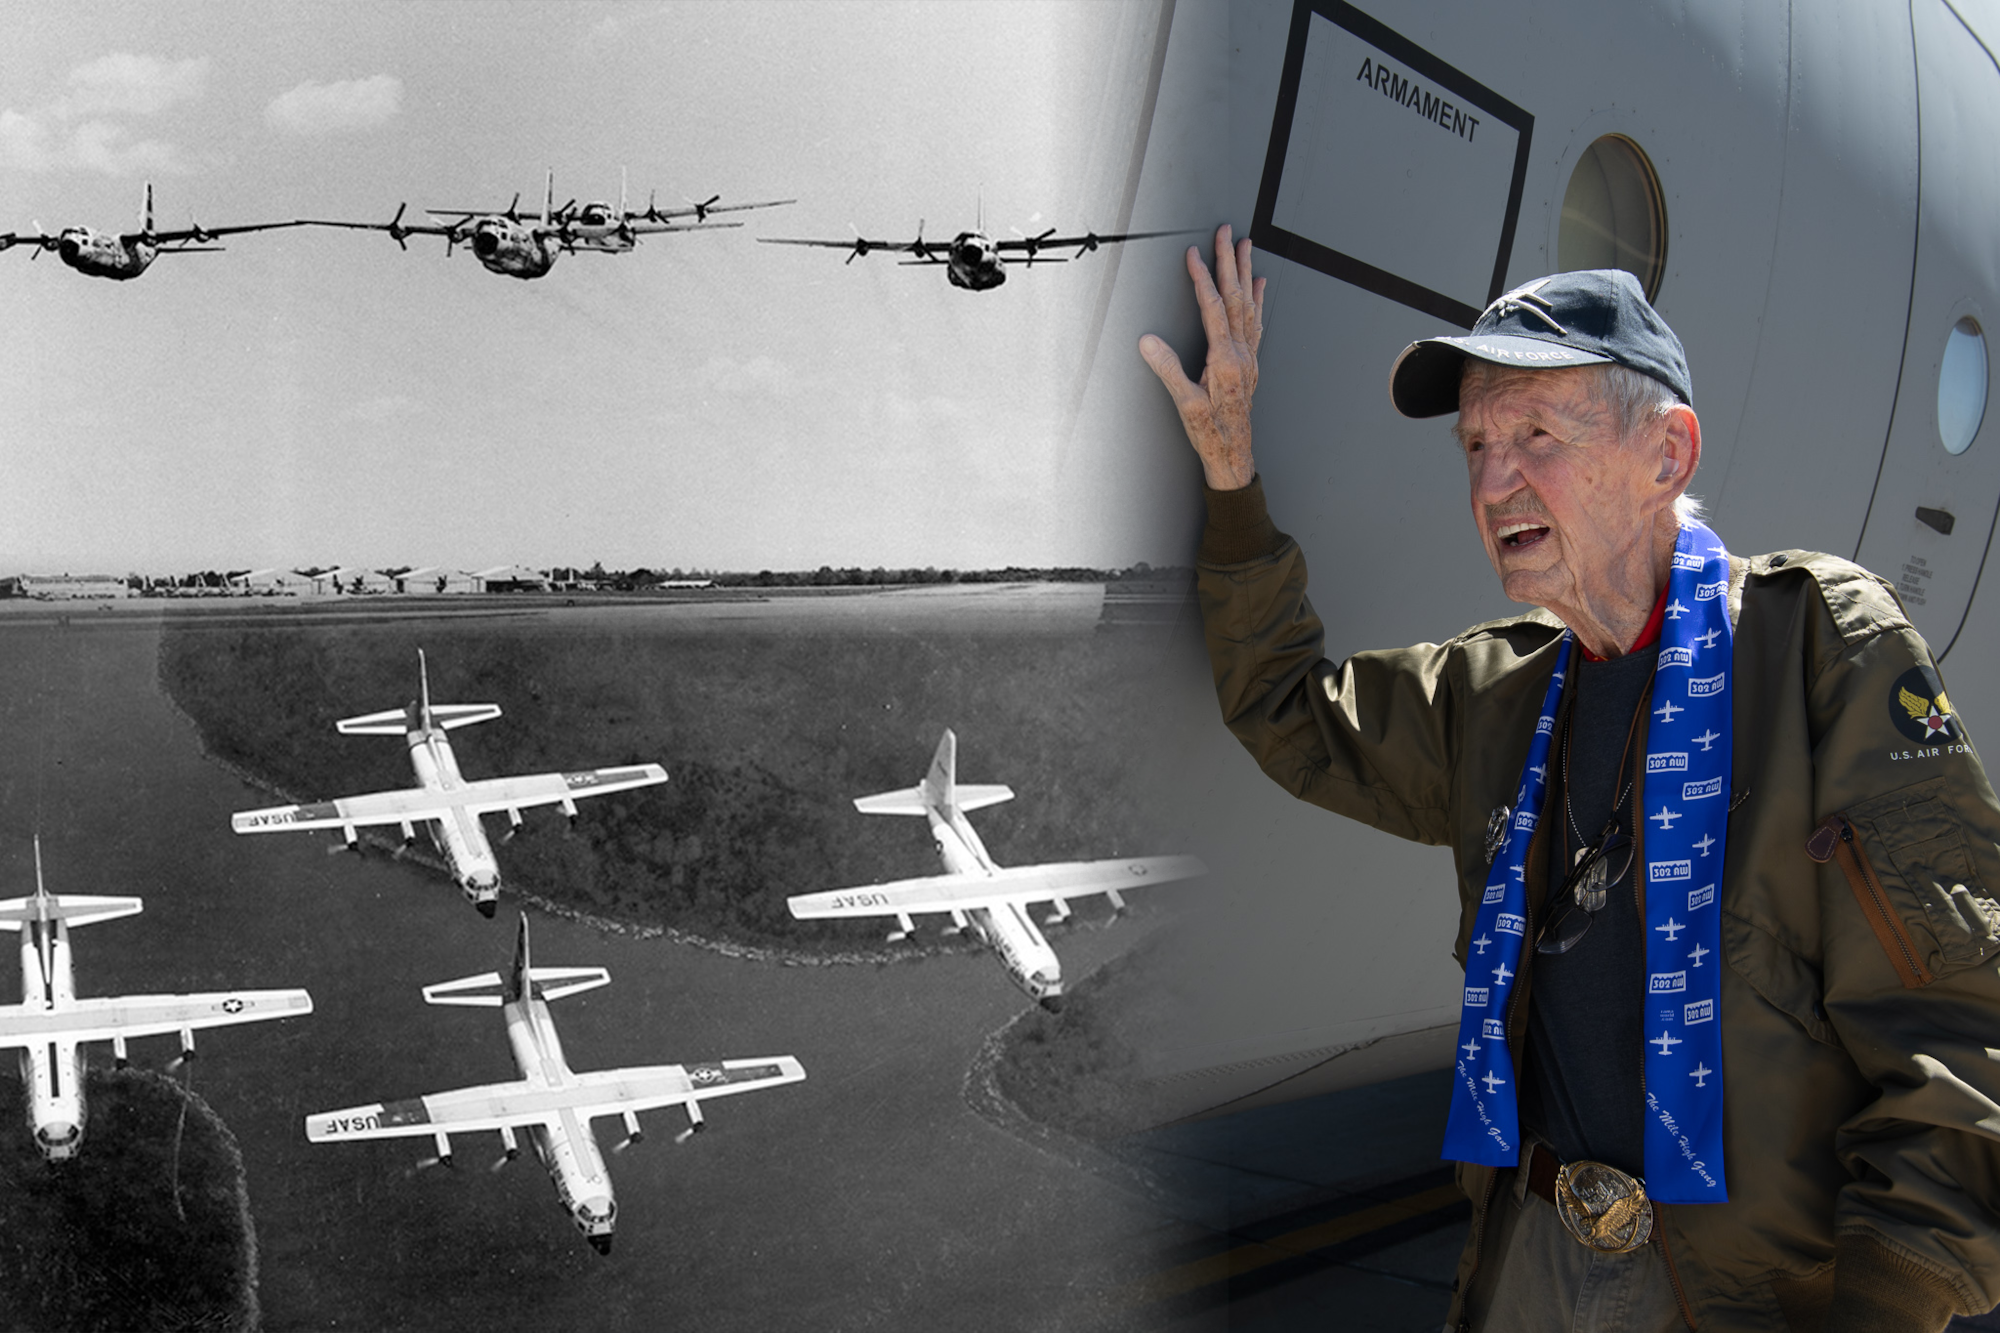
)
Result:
{"points": [[1919, 709]]}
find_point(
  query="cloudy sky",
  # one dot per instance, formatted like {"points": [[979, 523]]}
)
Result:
{"points": [[315, 396]]}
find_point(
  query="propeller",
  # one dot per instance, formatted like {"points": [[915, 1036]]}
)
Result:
{"points": [[513, 209], [40, 230], [187, 1051], [633, 1134], [510, 1148], [397, 232], [861, 245], [701, 209], [1089, 242], [1034, 244], [918, 248]]}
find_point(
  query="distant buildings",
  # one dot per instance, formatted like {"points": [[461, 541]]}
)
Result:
{"points": [[65, 587]]}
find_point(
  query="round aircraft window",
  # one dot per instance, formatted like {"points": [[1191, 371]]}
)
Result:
{"points": [[1962, 386], [1613, 215]]}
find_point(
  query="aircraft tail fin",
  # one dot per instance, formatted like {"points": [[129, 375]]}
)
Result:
{"points": [[521, 975], [76, 908], [549, 198], [938, 791], [491, 990], [423, 715], [146, 211], [424, 689], [938, 784]]}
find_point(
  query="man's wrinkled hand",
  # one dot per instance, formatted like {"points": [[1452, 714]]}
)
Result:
{"points": [[1216, 409]]}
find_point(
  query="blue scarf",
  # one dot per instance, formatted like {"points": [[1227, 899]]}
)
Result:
{"points": [[1685, 793]]}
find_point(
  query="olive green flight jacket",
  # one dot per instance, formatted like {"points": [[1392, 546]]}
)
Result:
{"points": [[1861, 1005]]}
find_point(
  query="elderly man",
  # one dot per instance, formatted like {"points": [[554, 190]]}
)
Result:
{"points": [[1725, 858]]}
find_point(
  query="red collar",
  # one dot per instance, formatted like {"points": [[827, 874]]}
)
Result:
{"points": [[1648, 636]]}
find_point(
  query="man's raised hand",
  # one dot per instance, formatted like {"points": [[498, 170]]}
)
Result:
{"points": [[1216, 410]]}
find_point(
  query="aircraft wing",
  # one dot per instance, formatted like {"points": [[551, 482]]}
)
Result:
{"points": [[204, 233], [101, 1018], [662, 214], [655, 229], [412, 804], [511, 1105], [1079, 243], [864, 246], [383, 807], [1015, 884], [393, 228], [553, 788], [12, 239]]}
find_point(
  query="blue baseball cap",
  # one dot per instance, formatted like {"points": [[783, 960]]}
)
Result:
{"points": [[1588, 318]]}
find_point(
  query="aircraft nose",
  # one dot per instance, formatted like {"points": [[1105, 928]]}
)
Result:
{"points": [[1052, 1003], [602, 1244], [69, 250], [487, 908], [484, 244]]}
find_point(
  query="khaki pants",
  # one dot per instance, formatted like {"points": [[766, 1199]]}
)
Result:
{"points": [[1536, 1278]]}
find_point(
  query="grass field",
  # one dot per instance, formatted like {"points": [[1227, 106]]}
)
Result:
{"points": [[108, 1241], [767, 735], [1079, 1071]]}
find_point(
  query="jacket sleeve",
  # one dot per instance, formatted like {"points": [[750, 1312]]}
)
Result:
{"points": [[1373, 738], [1910, 932]]}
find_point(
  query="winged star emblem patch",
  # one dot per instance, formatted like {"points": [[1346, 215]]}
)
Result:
{"points": [[1919, 707]]}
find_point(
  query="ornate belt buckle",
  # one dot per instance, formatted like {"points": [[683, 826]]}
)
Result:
{"points": [[1603, 1207]]}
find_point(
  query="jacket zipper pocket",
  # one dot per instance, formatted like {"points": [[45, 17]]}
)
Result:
{"points": [[1834, 840]]}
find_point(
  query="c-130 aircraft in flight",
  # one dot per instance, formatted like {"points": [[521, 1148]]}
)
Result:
{"points": [[517, 247], [52, 1022], [974, 260], [552, 1102], [123, 256], [444, 801]]}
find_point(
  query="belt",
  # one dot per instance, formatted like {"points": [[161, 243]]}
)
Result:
{"points": [[1602, 1207]]}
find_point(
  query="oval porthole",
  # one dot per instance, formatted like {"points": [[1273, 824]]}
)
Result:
{"points": [[1613, 215], [1962, 386]]}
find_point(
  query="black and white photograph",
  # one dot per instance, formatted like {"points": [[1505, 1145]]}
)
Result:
{"points": [[507, 498]]}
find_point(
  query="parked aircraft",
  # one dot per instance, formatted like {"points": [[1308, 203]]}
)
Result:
{"points": [[51, 1023], [122, 256], [517, 247], [974, 260], [990, 901], [553, 1103], [444, 801]]}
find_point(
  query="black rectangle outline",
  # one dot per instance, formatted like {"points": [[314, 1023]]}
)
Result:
{"points": [[1268, 236]]}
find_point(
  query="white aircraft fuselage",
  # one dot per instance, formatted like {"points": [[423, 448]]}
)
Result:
{"points": [[1006, 929], [103, 254], [52, 1071], [458, 836], [513, 248], [597, 226], [567, 1147], [974, 262]]}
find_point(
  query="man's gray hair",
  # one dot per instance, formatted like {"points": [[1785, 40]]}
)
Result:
{"points": [[1634, 399], [1637, 400]]}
